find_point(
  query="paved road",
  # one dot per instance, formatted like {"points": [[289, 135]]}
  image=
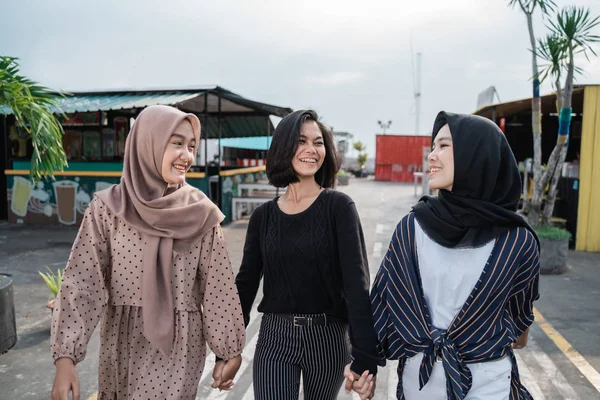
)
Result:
{"points": [[546, 372]]}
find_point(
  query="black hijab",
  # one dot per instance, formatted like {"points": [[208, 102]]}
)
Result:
{"points": [[486, 189]]}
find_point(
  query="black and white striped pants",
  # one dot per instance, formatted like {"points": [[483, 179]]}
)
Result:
{"points": [[283, 351]]}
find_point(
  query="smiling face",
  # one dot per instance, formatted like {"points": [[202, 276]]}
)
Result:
{"points": [[310, 153], [179, 154], [441, 161]]}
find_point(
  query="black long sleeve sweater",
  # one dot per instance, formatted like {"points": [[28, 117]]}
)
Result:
{"points": [[313, 262]]}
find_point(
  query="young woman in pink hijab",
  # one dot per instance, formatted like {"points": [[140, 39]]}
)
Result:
{"points": [[150, 260]]}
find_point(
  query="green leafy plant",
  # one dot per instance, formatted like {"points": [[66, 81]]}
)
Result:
{"points": [[53, 281], [342, 172], [33, 106], [362, 156], [552, 232]]}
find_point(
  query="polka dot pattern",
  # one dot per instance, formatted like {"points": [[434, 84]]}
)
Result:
{"points": [[103, 280]]}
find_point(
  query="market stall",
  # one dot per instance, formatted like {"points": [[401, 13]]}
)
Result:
{"points": [[96, 128]]}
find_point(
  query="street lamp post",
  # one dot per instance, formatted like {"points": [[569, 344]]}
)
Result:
{"points": [[384, 125]]}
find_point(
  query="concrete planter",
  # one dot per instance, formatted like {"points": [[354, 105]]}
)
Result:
{"points": [[553, 256], [343, 180], [8, 323]]}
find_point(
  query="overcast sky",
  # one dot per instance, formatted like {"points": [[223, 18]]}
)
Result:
{"points": [[350, 60]]}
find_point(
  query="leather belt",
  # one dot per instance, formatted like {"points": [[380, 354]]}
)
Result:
{"points": [[305, 320]]}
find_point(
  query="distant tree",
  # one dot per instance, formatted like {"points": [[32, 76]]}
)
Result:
{"points": [[362, 156]]}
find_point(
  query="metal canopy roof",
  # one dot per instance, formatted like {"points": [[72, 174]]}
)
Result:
{"points": [[111, 102], [191, 100], [511, 108], [241, 117]]}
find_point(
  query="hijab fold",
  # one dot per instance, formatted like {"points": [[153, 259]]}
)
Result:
{"points": [[486, 189], [167, 220]]}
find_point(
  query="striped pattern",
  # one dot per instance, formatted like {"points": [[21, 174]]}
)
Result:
{"points": [[497, 311], [284, 352]]}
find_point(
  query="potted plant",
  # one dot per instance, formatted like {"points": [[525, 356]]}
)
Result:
{"points": [[361, 159], [8, 325], [343, 177], [554, 249], [53, 281]]}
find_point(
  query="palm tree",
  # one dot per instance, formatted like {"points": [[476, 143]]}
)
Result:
{"points": [[33, 105], [551, 49], [572, 34], [528, 7]]}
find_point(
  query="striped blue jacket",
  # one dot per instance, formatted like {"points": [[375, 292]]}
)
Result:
{"points": [[497, 311]]}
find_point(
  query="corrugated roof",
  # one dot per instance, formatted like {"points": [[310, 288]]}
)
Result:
{"points": [[195, 100], [120, 101], [524, 105], [240, 117]]}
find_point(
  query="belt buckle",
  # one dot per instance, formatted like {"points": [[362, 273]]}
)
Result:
{"points": [[297, 319]]}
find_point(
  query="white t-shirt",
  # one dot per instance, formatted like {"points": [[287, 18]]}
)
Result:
{"points": [[448, 277]]}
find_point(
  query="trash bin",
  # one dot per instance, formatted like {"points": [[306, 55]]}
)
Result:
{"points": [[8, 323]]}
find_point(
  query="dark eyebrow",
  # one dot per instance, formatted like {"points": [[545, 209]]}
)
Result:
{"points": [[305, 137], [182, 137]]}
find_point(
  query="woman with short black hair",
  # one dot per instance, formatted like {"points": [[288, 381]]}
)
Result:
{"points": [[280, 157], [309, 246]]}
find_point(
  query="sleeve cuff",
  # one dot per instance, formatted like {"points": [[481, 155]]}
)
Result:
{"points": [[228, 356], [58, 356], [360, 366]]}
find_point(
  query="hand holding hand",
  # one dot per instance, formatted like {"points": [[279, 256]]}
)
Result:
{"points": [[224, 372], [363, 384], [522, 340]]}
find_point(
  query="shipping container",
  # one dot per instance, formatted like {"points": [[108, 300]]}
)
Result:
{"points": [[383, 172], [403, 150], [404, 172], [398, 172], [397, 157]]}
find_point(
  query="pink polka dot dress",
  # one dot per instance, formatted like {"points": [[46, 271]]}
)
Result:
{"points": [[103, 281]]}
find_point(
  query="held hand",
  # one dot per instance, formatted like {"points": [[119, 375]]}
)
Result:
{"points": [[363, 384], [522, 340], [225, 371], [217, 374], [66, 380], [231, 368]]}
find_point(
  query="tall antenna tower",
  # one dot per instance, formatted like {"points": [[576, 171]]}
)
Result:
{"points": [[416, 75], [417, 92]]}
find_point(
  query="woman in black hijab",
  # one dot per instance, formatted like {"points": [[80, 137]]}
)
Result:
{"points": [[454, 294]]}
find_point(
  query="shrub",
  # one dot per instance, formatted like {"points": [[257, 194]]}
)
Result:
{"points": [[552, 232]]}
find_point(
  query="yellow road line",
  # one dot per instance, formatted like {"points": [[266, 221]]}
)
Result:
{"points": [[573, 355]]}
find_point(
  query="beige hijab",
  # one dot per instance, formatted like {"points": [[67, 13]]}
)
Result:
{"points": [[167, 221]]}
